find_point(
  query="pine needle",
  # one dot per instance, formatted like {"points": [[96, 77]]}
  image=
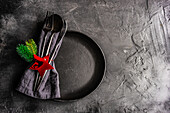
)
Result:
{"points": [[24, 52], [32, 47], [27, 51]]}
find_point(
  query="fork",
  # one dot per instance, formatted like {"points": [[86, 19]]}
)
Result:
{"points": [[46, 28], [61, 35], [57, 24], [51, 37]]}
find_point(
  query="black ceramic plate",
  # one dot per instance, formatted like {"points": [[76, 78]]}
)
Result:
{"points": [[80, 64]]}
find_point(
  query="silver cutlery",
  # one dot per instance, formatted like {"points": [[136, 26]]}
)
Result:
{"points": [[61, 35], [46, 28], [57, 24]]}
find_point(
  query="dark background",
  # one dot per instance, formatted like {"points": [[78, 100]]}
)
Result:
{"points": [[134, 35]]}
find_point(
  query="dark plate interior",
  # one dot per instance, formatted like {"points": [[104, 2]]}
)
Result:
{"points": [[80, 64]]}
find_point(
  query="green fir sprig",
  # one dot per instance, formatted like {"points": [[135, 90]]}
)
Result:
{"points": [[31, 45], [27, 51]]}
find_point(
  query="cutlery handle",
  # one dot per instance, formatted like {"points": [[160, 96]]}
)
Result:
{"points": [[49, 45], [40, 82], [42, 53], [37, 76], [36, 81], [41, 79]]}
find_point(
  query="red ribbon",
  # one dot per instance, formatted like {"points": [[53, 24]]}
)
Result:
{"points": [[41, 64]]}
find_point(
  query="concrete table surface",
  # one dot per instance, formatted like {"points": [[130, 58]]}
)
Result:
{"points": [[134, 35]]}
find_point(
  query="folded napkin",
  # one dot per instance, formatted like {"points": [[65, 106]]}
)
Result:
{"points": [[49, 88]]}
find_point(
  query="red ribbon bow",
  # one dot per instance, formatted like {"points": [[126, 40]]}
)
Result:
{"points": [[41, 64]]}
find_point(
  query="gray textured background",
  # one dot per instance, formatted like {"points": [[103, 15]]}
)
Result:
{"points": [[134, 35]]}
